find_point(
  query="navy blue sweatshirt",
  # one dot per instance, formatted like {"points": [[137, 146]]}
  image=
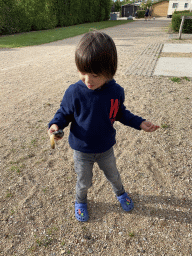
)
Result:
{"points": [[92, 114]]}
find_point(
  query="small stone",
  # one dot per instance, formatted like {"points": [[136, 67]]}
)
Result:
{"points": [[90, 250], [88, 237], [120, 233]]}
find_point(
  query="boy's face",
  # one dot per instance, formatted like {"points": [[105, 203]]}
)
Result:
{"points": [[92, 81]]}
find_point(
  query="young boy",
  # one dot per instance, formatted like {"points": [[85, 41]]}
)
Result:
{"points": [[92, 105]]}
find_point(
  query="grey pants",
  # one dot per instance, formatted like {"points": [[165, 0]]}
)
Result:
{"points": [[83, 167]]}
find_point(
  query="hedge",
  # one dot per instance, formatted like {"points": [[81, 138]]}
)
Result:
{"points": [[9, 17], [176, 21], [141, 13], [27, 15], [178, 12]]}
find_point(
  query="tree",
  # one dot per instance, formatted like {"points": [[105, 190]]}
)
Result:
{"points": [[117, 6], [146, 4]]}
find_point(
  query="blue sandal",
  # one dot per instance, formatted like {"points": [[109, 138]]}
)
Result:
{"points": [[126, 202], [81, 212]]}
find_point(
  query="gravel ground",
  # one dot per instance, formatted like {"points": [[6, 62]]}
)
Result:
{"points": [[38, 184]]}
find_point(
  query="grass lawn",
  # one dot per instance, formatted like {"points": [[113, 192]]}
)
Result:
{"points": [[47, 36]]}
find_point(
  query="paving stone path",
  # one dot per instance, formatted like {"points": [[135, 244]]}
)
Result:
{"points": [[139, 45], [145, 63]]}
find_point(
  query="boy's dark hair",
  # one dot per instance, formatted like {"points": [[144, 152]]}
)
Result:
{"points": [[96, 53]]}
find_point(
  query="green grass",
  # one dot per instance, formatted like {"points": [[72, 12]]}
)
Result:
{"points": [[48, 36], [131, 234], [9, 194], [186, 78], [164, 126], [16, 168], [176, 79]]}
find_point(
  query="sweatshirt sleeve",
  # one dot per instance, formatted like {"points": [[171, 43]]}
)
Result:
{"points": [[64, 114], [126, 117]]}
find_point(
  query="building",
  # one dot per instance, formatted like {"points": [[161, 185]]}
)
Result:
{"points": [[179, 5], [129, 10], [160, 8]]}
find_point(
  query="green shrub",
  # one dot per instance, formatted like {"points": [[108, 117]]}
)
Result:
{"points": [[42, 14], [95, 10], [63, 7], [24, 19], [141, 13], [26, 15], [8, 19], [176, 21], [101, 11], [178, 12], [117, 6], [102, 14], [107, 6], [13, 17]]}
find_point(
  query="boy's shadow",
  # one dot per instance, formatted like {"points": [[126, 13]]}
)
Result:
{"points": [[165, 207]]}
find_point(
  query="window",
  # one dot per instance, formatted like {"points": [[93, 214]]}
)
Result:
{"points": [[175, 5], [186, 5]]}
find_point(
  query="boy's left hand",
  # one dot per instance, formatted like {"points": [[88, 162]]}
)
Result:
{"points": [[148, 126]]}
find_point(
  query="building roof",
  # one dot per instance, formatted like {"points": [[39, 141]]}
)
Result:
{"points": [[160, 1]]}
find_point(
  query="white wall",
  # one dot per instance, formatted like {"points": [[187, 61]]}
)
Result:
{"points": [[180, 6]]}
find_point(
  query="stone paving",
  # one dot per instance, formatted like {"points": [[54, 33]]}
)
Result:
{"points": [[149, 59], [181, 48], [139, 45], [146, 62], [175, 61], [171, 66]]}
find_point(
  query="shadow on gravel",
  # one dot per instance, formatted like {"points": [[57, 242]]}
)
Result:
{"points": [[8, 49], [165, 208], [124, 45]]}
